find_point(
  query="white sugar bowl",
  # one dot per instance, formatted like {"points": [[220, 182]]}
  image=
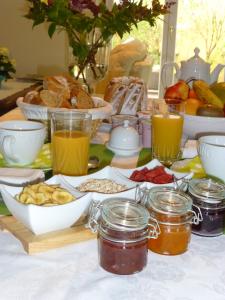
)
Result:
{"points": [[124, 140]]}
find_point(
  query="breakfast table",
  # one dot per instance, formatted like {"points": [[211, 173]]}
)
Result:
{"points": [[73, 271]]}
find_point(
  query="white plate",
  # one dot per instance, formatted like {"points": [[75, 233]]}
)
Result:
{"points": [[71, 182], [152, 164], [123, 152]]}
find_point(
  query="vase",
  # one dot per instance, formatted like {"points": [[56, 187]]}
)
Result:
{"points": [[95, 64]]}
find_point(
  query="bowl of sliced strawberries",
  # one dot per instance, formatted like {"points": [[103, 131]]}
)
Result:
{"points": [[153, 174]]}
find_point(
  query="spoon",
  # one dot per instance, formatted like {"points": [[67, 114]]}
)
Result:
{"points": [[93, 162]]}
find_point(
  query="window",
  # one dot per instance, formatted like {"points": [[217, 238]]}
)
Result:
{"points": [[191, 23]]}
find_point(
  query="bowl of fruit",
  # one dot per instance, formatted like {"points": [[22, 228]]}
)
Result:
{"points": [[204, 106]]}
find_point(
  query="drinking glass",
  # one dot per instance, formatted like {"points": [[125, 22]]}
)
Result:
{"points": [[70, 139], [167, 129]]}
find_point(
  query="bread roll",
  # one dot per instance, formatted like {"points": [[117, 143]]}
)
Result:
{"points": [[57, 84]]}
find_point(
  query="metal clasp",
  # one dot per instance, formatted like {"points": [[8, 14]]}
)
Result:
{"points": [[155, 231], [142, 195], [183, 184], [197, 217], [94, 211]]}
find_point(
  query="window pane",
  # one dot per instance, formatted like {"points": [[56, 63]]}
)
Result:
{"points": [[152, 37], [201, 23]]}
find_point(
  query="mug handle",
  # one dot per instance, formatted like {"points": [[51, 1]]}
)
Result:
{"points": [[7, 147]]}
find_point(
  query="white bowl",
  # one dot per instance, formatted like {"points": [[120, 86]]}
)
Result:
{"points": [[211, 150], [195, 126], [72, 182], [43, 219]]}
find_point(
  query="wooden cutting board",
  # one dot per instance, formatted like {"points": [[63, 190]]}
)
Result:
{"points": [[39, 243]]}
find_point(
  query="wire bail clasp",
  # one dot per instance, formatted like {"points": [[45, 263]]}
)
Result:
{"points": [[94, 212]]}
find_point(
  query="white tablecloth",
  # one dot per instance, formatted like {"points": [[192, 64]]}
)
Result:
{"points": [[73, 272]]}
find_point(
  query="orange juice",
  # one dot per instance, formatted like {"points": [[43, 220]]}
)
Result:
{"points": [[70, 152], [166, 137]]}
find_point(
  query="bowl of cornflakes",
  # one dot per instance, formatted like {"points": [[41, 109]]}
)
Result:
{"points": [[60, 93], [45, 207]]}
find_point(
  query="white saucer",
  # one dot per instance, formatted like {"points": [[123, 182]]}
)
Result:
{"points": [[123, 152]]}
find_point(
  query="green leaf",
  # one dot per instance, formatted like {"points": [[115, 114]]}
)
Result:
{"points": [[51, 29]]}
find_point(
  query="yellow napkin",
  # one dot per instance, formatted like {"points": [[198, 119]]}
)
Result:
{"points": [[190, 165]]}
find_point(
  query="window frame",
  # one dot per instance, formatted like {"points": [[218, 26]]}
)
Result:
{"points": [[168, 45]]}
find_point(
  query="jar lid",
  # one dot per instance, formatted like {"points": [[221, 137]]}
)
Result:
{"points": [[167, 200], [207, 190], [124, 214]]}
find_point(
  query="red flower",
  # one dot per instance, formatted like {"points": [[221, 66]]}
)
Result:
{"points": [[80, 5]]}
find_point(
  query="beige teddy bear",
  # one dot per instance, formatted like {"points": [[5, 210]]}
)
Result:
{"points": [[127, 59]]}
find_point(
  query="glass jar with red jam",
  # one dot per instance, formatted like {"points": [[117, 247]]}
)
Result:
{"points": [[123, 231], [209, 197], [172, 210]]}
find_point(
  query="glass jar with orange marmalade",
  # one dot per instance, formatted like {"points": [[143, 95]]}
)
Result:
{"points": [[123, 231], [172, 211]]}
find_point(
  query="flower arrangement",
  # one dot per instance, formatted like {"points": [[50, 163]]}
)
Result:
{"points": [[7, 65], [90, 24]]}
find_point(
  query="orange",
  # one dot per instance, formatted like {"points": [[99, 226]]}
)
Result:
{"points": [[191, 106]]}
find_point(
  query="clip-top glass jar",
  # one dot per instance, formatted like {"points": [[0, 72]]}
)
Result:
{"points": [[172, 211], [123, 233], [209, 197]]}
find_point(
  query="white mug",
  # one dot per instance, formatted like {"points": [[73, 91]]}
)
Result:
{"points": [[20, 141], [211, 151]]}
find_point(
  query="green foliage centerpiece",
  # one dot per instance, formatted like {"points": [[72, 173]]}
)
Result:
{"points": [[90, 25]]}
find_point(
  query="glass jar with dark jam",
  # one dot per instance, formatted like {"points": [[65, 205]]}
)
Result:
{"points": [[172, 210], [123, 233], [209, 197]]}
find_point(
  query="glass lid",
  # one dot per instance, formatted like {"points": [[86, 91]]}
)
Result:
{"points": [[210, 190], [169, 201], [124, 214]]}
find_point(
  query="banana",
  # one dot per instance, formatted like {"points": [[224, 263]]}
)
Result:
{"points": [[219, 89], [44, 188], [61, 197], [204, 93], [44, 194], [41, 198], [29, 191], [26, 198]]}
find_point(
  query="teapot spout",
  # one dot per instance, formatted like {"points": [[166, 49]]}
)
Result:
{"points": [[215, 73]]}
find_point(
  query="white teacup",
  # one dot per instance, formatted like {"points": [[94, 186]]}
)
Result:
{"points": [[20, 141], [211, 149]]}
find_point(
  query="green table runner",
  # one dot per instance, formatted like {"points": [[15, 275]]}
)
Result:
{"points": [[3, 209], [105, 157]]}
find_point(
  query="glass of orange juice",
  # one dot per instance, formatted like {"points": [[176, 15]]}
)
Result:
{"points": [[70, 140], [167, 130]]}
